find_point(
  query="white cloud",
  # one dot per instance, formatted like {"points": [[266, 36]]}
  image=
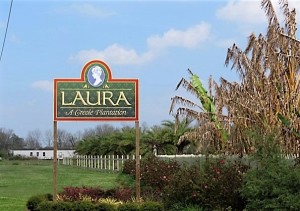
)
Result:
{"points": [[295, 4], [114, 54], [243, 11], [86, 9], [117, 54], [251, 12], [43, 85], [189, 38]]}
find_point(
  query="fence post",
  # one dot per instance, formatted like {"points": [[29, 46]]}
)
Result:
{"points": [[93, 161], [98, 161], [118, 163], [113, 161], [109, 162], [85, 161]]}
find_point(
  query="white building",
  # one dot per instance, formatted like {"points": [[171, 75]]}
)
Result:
{"points": [[46, 154]]}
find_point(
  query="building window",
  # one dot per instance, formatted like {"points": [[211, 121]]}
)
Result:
{"points": [[37, 154], [44, 154], [31, 153]]}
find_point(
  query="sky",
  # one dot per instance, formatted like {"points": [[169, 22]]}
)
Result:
{"points": [[153, 41]]}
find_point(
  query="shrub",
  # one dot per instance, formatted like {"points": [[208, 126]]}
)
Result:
{"points": [[45, 206], [34, 201], [61, 206], [124, 194], [83, 206], [181, 188], [66, 206], [78, 193], [155, 174], [73, 194], [84, 194], [186, 207], [213, 186], [220, 187], [105, 207], [102, 206], [129, 206], [151, 206], [110, 201], [272, 185], [129, 167], [21, 157], [142, 206]]}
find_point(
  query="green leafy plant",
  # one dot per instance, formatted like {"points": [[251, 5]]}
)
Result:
{"points": [[273, 182], [34, 201], [129, 206]]}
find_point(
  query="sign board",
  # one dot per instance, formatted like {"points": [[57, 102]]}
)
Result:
{"points": [[96, 96]]}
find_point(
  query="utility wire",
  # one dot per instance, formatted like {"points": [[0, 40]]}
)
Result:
{"points": [[6, 29]]}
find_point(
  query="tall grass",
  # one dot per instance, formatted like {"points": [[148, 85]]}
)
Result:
{"points": [[21, 179]]}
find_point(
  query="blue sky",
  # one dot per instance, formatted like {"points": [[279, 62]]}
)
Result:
{"points": [[154, 41]]}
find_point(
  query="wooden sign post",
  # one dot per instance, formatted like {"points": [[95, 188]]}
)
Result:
{"points": [[137, 163], [54, 160]]}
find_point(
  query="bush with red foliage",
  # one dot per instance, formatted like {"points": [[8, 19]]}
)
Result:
{"points": [[155, 173], [215, 185], [94, 194]]}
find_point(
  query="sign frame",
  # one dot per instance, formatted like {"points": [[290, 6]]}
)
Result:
{"points": [[109, 80]]}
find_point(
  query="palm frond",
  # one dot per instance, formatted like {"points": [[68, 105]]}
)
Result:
{"points": [[177, 100], [270, 12]]}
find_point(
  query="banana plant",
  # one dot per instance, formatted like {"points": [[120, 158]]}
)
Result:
{"points": [[207, 103]]}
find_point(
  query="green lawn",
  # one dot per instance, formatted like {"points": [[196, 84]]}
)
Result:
{"points": [[21, 179]]}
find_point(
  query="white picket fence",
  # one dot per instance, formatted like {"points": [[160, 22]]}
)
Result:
{"points": [[99, 162]]}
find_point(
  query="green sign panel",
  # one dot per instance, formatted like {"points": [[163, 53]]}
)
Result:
{"points": [[96, 96]]}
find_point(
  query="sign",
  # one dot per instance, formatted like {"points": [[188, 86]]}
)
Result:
{"points": [[96, 96]]}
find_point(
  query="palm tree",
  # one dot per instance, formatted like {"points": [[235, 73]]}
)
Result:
{"points": [[159, 138], [178, 129], [267, 99]]}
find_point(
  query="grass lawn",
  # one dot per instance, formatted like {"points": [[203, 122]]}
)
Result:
{"points": [[21, 179]]}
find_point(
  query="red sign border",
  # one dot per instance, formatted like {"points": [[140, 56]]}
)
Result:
{"points": [[109, 79]]}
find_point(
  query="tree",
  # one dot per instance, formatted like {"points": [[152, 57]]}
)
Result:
{"points": [[120, 142], [159, 138], [16, 142], [34, 139], [267, 99], [209, 136], [9, 140], [65, 140], [48, 138], [99, 130], [179, 128]]}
